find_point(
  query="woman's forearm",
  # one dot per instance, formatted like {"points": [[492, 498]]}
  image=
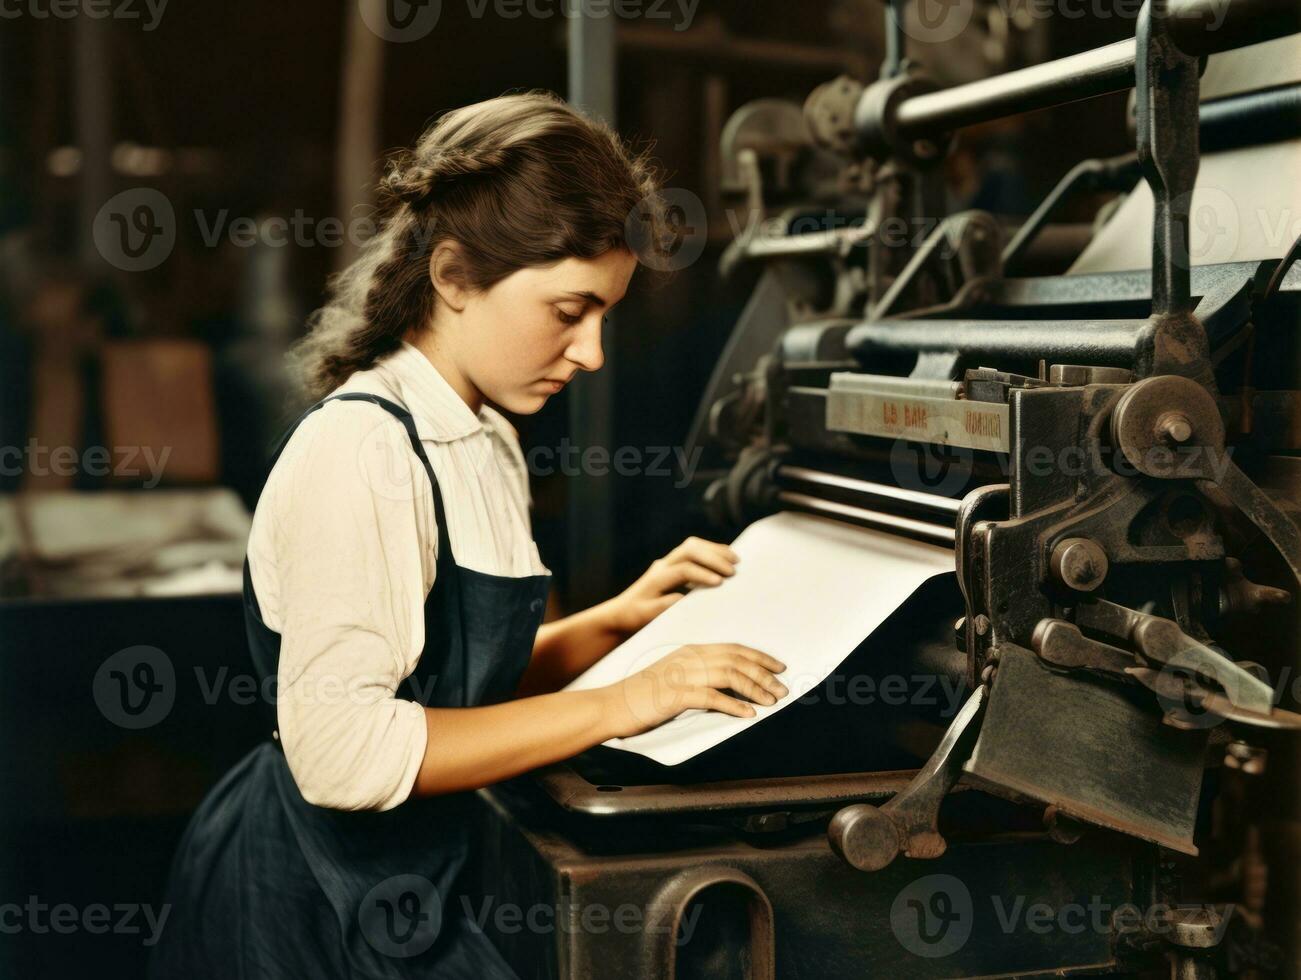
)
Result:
{"points": [[473, 747], [566, 647]]}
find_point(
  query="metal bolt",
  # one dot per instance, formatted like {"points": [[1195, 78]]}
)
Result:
{"points": [[1079, 564], [1174, 427], [1248, 758], [1192, 928]]}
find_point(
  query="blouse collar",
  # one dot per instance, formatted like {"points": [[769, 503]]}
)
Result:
{"points": [[434, 403]]}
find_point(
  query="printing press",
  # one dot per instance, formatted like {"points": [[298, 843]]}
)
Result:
{"points": [[1111, 453]]}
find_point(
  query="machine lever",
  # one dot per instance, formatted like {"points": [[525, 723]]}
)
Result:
{"points": [[1161, 641], [869, 838], [1179, 660]]}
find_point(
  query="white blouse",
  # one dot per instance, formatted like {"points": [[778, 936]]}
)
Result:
{"points": [[342, 554]]}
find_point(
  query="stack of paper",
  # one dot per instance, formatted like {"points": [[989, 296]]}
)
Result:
{"points": [[807, 590]]}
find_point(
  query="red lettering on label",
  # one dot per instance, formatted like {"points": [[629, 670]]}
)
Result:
{"points": [[982, 424]]}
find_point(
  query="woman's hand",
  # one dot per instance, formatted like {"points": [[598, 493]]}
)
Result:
{"points": [[694, 562], [693, 677]]}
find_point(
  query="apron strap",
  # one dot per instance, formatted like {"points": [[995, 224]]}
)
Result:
{"points": [[445, 562], [409, 423]]}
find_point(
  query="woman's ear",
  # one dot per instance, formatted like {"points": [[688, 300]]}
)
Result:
{"points": [[446, 273]]}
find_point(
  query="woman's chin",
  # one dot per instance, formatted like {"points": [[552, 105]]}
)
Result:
{"points": [[524, 402]]}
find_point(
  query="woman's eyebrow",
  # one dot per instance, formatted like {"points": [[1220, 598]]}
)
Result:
{"points": [[587, 295]]}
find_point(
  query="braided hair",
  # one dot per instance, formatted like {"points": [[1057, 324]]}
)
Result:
{"points": [[516, 181]]}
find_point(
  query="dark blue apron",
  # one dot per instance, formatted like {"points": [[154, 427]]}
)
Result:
{"points": [[266, 885]]}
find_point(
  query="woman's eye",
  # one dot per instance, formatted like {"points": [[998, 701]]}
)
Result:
{"points": [[568, 318]]}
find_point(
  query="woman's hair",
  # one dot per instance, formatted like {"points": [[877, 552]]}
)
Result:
{"points": [[520, 180]]}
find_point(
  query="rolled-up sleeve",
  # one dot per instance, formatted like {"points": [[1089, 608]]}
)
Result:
{"points": [[349, 524]]}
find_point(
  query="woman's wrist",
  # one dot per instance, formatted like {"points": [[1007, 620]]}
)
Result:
{"points": [[608, 703], [612, 617]]}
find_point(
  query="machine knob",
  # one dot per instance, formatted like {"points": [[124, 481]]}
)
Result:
{"points": [[1079, 564], [865, 837]]}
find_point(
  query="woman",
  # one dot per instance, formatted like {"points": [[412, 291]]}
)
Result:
{"points": [[392, 585]]}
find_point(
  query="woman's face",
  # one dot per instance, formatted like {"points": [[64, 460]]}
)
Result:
{"points": [[519, 342]]}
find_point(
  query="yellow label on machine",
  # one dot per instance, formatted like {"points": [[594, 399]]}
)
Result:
{"points": [[856, 404]]}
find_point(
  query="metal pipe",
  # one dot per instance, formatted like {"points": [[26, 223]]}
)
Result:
{"points": [[590, 507], [93, 70], [895, 53], [942, 507], [872, 518], [1252, 118], [1104, 342], [1070, 79], [1199, 27]]}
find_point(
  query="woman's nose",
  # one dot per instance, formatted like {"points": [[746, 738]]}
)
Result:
{"points": [[586, 350]]}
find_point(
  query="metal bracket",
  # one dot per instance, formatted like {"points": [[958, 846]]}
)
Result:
{"points": [[1167, 87]]}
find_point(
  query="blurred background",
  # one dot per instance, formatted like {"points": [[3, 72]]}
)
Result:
{"points": [[177, 181]]}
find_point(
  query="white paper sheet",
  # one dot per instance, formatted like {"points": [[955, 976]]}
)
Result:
{"points": [[807, 590], [1244, 209], [1247, 199]]}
